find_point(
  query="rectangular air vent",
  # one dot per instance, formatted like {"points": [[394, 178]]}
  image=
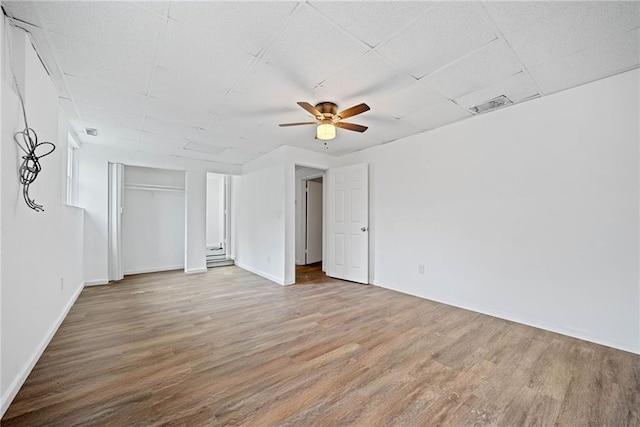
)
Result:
{"points": [[91, 131], [491, 104]]}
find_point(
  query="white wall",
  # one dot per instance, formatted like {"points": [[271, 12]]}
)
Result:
{"points": [[265, 214], [93, 197], [41, 253], [153, 220], [215, 210], [529, 213]]}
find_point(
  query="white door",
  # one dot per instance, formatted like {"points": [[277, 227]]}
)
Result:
{"points": [[314, 222], [348, 223]]}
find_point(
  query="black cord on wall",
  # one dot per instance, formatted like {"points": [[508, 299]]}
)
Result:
{"points": [[27, 140]]}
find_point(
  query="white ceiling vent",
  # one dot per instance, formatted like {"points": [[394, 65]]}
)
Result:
{"points": [[491, 104]]}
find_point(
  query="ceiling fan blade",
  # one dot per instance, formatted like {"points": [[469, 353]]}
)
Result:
{"points": [[297, 124], [310, 108], [353, 111], [351, 126]]}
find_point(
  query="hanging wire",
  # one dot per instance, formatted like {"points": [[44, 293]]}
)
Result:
{"points": [[27, 140]]}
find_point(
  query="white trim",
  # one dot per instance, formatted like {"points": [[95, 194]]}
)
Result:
{"points": [[97, 282], [196, 270], [271, 277], [17, 383], [155, 270], [558, 329]]}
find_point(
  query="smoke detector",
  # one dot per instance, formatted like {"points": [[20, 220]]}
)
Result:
{"points": [[491, 104]]}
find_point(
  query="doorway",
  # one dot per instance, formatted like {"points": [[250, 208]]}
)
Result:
{"points": [[309, 216], [218, 222]]}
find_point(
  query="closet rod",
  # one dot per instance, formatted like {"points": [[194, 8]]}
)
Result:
{"points": [[153, 187]]}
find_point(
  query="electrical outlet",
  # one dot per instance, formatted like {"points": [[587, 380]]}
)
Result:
{"points": [[62, 283], [268, 259], [420, 268]]}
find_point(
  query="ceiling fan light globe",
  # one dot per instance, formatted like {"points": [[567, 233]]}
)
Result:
{"points": [[326, 131]]}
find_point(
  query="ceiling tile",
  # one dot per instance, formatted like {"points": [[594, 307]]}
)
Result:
{"points": [[24, 11], [442, 35], [153, 140], [171, 86], [599, 61], [387, 128], [113, 118], [212, 137], [247, 26], [107, 97], [204, 148], [486, 66], [570, 27], [266, 81], [192, 54], [301, 51], [436, 116], [514, 16], [112, 25], [159, 7], [516, 87], [371, 22], [174, 112], [408, 100], [91, 62], [237, 156], [110, 142], [370, 75], [112, 132], [162, 127]]}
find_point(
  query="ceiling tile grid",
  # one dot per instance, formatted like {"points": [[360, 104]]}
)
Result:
{"points": [[489, 65], [436, 115], [372, 25], [218, 77], [518, 87], [442, 35], [558, 30], [260, 25], [599, 61], [123, 26], [300, 47]]}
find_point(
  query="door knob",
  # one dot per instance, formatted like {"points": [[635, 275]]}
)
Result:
{"points": [[363, 229]]}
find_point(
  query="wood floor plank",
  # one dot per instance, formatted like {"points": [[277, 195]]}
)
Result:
{"points": [[230, 348]]}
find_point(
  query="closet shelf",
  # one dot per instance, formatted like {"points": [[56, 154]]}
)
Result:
{"points": [[149, 187]]}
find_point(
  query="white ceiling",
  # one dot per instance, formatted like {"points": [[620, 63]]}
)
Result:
{"points": [[212, 80]]}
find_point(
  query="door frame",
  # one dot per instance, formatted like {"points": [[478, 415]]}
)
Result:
{"points": [[304, 215], [292, 197]]}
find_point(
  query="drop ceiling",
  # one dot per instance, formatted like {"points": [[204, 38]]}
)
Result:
{"points": [[212, 80]]}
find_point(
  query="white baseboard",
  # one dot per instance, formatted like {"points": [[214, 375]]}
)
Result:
{"points": [[271, 277], [558, 329], [154, 270], [17, 383], [97, 282], [196, 270]]}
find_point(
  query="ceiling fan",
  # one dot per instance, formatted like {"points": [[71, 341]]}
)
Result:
{"points": [[328, 118]]}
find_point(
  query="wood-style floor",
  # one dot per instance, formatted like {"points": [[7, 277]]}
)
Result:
{"points": [[230, 348]]}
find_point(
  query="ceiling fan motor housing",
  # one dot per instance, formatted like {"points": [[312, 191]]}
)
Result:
{"points": [[327, 109]]}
